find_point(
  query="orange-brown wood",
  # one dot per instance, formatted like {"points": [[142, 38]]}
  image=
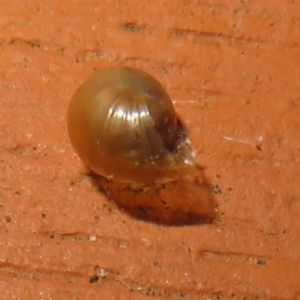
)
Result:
{"points": [[233, 69]]}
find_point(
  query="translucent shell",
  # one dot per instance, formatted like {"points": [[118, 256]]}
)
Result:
{"points": [[123, 125]]}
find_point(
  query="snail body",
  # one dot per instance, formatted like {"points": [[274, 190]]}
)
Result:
{"points": [[123, 125]]}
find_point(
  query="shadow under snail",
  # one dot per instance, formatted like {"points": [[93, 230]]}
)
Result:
{"points": [[123, 125]]}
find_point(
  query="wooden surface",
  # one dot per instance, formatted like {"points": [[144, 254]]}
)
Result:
{"points": [[233, 71]]}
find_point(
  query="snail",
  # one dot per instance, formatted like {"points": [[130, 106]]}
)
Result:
{"points": [[123, 125]]}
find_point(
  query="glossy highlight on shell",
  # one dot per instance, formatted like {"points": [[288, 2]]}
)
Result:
{"points": [[123, 125]]}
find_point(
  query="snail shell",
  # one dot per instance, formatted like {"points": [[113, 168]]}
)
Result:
{"points": [[123, 125]]}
